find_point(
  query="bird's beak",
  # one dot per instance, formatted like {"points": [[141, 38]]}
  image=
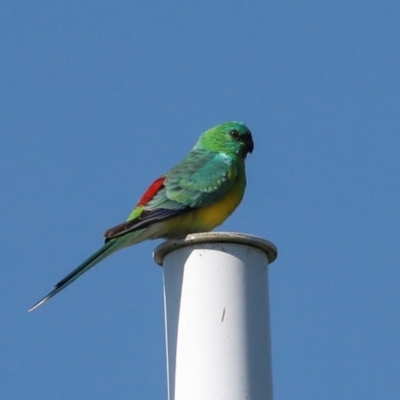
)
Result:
{"points": [[248, 141]]}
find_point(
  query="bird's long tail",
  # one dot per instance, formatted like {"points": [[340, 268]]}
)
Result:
{"points": [[90, 262]]}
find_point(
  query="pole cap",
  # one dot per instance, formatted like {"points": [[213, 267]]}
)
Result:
{"points": [[212, 237]]}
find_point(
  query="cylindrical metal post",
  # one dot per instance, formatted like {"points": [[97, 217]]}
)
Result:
{"points": [[217, 316]]}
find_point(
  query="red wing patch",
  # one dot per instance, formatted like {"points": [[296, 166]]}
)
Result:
{"points": [[151, 191]]}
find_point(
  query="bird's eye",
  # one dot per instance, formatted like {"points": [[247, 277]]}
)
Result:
{"points": [[234, 133]]}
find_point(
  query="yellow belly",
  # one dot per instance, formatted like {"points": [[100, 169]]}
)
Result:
{"points": [[207, 218], [214, 215]]}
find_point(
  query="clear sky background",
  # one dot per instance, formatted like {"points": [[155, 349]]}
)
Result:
{"points": [[98, 98]]}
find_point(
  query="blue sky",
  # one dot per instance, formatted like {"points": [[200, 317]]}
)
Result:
{"points": [[99, 98]]}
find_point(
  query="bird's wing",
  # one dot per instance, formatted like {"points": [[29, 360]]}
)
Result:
{"points": [[201, 179]]}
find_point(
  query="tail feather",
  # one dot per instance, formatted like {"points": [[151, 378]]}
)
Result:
{"points": [[90, 262]]}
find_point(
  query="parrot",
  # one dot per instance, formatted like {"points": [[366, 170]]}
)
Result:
{"points": [[196, 195]]}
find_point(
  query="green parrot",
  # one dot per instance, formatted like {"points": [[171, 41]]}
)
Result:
{"points": [[196, 195]]}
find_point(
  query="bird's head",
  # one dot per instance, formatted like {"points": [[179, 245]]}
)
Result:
{"points": [[229, 137]]}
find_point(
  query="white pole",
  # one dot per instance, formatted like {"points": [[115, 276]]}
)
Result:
{"points": [[217, 316]]}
